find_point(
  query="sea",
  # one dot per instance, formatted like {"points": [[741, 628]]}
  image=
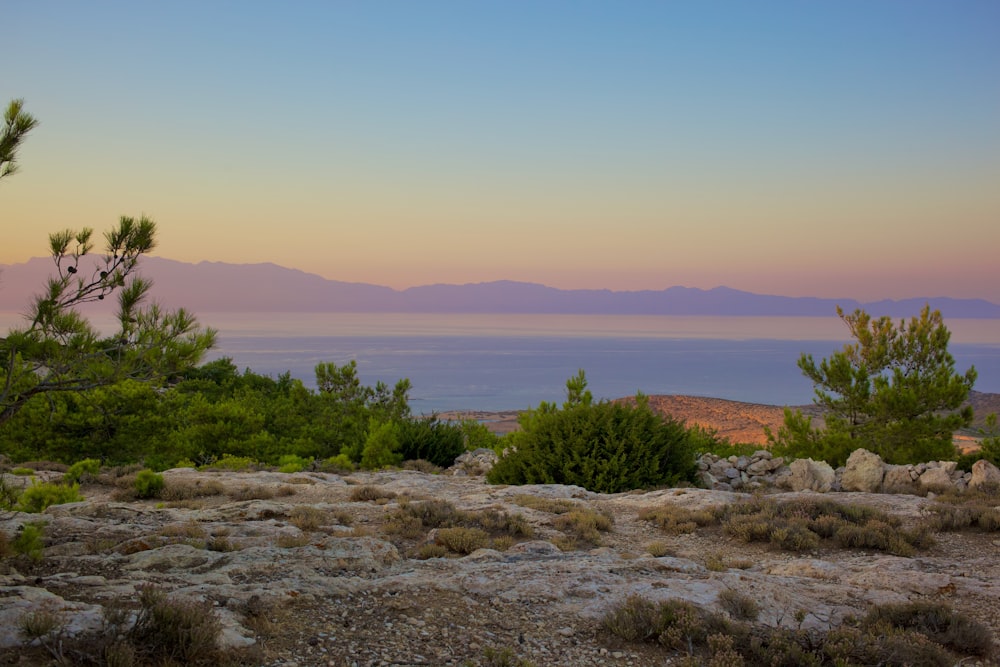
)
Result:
{"points": [[483, 362]]}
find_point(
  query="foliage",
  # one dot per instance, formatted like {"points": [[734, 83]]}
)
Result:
{"points": [[478, 436], [16, 124], [290, 463], [432, 440], [801, 525], [148, 484], [59, 351], [894, 392], [177, 630], [606, 447], [28, 541], [80, 469], [40, 495], [382, 447], [909, 634], [989, 445], [232, 462]]}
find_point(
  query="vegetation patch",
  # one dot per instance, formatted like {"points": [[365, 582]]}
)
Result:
{"points": [[308, 519], [582, 528], [550, 505], [607, 447], [368, 493], [41, 495], [928, 634], [802, 525], [462, 540], [674, 519]]}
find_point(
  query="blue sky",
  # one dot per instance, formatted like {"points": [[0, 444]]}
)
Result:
{"points": [[847, 149]]}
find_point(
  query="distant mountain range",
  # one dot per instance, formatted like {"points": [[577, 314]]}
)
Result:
{"points": [[220, 287]]}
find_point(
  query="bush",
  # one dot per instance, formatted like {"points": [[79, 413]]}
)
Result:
{"points": [[462, 540], [604, 447], [29, 541], [175, 630], [40, 495], [148, 484], [85, 470], [431, 440], [290, 463], [937, 622], [230, 462], [800, 525], [911, 634], [338, 463], [740, 606], [381, 449]]}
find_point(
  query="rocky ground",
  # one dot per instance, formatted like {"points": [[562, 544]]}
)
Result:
{"points": [[318, 568]]}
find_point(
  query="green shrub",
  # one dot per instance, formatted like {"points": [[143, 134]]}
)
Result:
{"points": [[230, 462], [431, 440], [82, 470], [10, 491], [290, 463], [382, 447], [41, 495], [605, 447], [338, 463], [22, 472], [29, 541], [148, 484]]}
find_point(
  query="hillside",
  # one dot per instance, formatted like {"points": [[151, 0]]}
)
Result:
{"points": [[272, 288], [735, 420]]}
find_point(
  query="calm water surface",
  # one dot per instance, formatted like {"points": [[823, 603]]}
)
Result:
{"points": [[508, 362]]}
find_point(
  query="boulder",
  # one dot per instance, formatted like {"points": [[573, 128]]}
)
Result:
{"points": [[864, 472], [984, 474], [477, 462], [809, 475], [935, 479], [899, 479]]}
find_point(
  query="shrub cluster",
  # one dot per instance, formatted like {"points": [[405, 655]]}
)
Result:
{"points": [[456, 531], [920, 633], [607, 447], [801, 525]]}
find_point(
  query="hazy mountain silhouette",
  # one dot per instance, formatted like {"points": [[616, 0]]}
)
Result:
{"points": [[220, 287]]}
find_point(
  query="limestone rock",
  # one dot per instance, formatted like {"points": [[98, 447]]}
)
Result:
{"points": [[899, 479], [936, 479], [864, 472], [984, 474], [809, 475]]}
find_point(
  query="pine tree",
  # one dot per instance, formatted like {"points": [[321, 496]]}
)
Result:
{"points": [[894, 392]]}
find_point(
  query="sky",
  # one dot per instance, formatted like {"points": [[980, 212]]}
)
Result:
{"points": [[844, 149]]}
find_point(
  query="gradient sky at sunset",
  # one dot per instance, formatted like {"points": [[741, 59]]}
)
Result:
{"points": [[840, 149]]}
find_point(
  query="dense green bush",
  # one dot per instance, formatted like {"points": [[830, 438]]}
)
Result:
{"points": [[148, 484], [607, 446], [80, 469], [431, 440], [41, 495]]}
